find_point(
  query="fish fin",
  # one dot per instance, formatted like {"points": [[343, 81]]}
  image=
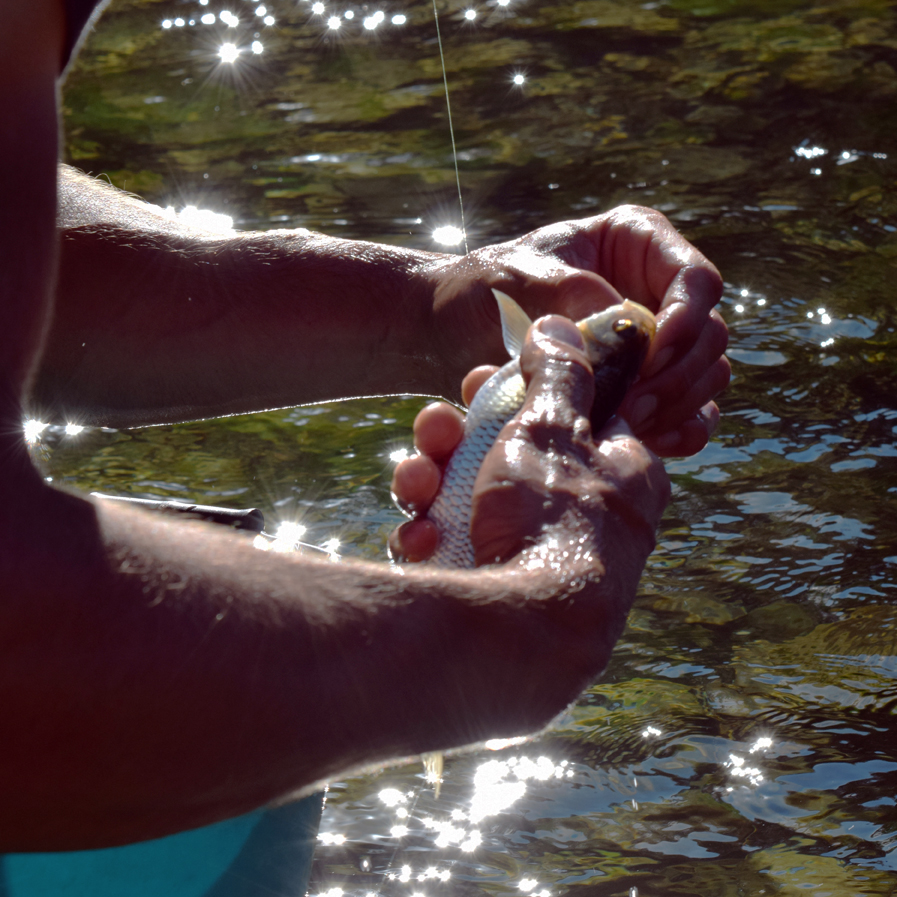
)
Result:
{"points": [[433, 766], [515, 322]]}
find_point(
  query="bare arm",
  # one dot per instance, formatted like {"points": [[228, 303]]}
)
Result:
{"points": [[158, 675], [157, 321]]}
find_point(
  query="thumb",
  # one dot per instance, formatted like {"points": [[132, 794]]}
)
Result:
{"points": [[560, 386]]}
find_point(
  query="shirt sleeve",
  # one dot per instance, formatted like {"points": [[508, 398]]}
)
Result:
{"points": [[80, 16]]}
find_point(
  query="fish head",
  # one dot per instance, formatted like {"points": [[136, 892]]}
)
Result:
{"points": [[616, 341], [625, 329]]}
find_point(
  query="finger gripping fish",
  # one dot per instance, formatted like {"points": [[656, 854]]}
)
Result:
{"points": [[616, 342]]}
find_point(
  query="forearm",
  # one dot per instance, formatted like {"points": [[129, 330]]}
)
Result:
{"points": [[156, 321], [158, 676]]}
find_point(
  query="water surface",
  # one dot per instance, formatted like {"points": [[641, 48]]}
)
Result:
{"points": [[742, 740]]}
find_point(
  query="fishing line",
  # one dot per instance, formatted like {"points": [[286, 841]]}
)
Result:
{"points": [[448, 108]]}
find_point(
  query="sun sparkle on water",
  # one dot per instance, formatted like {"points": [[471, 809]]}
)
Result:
{"points": [[33, 429], [228, 52]]}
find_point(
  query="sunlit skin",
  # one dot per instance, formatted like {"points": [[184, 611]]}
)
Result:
{"points": [[217, 324], [158, 675]]}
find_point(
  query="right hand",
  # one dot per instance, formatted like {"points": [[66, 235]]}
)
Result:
{"points": [[546, 480]]}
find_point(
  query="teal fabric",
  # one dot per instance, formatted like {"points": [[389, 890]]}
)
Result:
{"points": [[266, 852]]}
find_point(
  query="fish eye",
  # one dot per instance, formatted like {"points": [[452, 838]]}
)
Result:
{"points": [[624, 325]]}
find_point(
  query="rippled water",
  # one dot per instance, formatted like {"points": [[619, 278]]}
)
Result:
{"points": [[742, 741]]}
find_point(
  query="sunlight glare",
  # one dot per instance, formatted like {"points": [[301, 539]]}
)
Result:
{"points": [[73, 429], [204, 218], [331, 546], [334, 22], [399, 19], [448, 235], [331, 838], [257, 47], [499, 744], [474, 839], [753, 775], [391, 797], [229, 52], [33, 429], [288, 534], [809, 152]]}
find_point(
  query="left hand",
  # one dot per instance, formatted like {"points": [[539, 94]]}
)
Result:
{"points": [[577, 267]]}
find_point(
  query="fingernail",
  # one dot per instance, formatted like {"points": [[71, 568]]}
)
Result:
{"points": [[562, 329], [667, 442], [642, 409], [659, 362]]}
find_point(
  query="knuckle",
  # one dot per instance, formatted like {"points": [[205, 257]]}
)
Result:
{"points": [[721, 374], [703, 279], [717, 333]]}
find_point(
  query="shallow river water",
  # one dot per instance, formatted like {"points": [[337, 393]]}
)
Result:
{"points": [[743, 739]]}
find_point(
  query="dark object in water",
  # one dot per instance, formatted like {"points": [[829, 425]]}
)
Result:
{"points": [[250, 519]]}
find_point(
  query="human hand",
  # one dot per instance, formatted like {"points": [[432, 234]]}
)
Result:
{"points": [[577, 267], [546, 484]]}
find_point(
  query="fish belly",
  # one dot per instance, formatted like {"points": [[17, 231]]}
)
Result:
{"points": [[497, 401]]}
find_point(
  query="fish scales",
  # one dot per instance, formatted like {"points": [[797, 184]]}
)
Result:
{"points": [[497, 401]]}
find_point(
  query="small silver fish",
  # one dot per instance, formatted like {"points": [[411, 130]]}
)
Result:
{"points": [[616, 342]]}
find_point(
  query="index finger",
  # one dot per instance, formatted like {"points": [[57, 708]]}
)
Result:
{"points": [[649, 261]]}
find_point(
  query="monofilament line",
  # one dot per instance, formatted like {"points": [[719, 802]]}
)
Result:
{"points": [[448, 107]]}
